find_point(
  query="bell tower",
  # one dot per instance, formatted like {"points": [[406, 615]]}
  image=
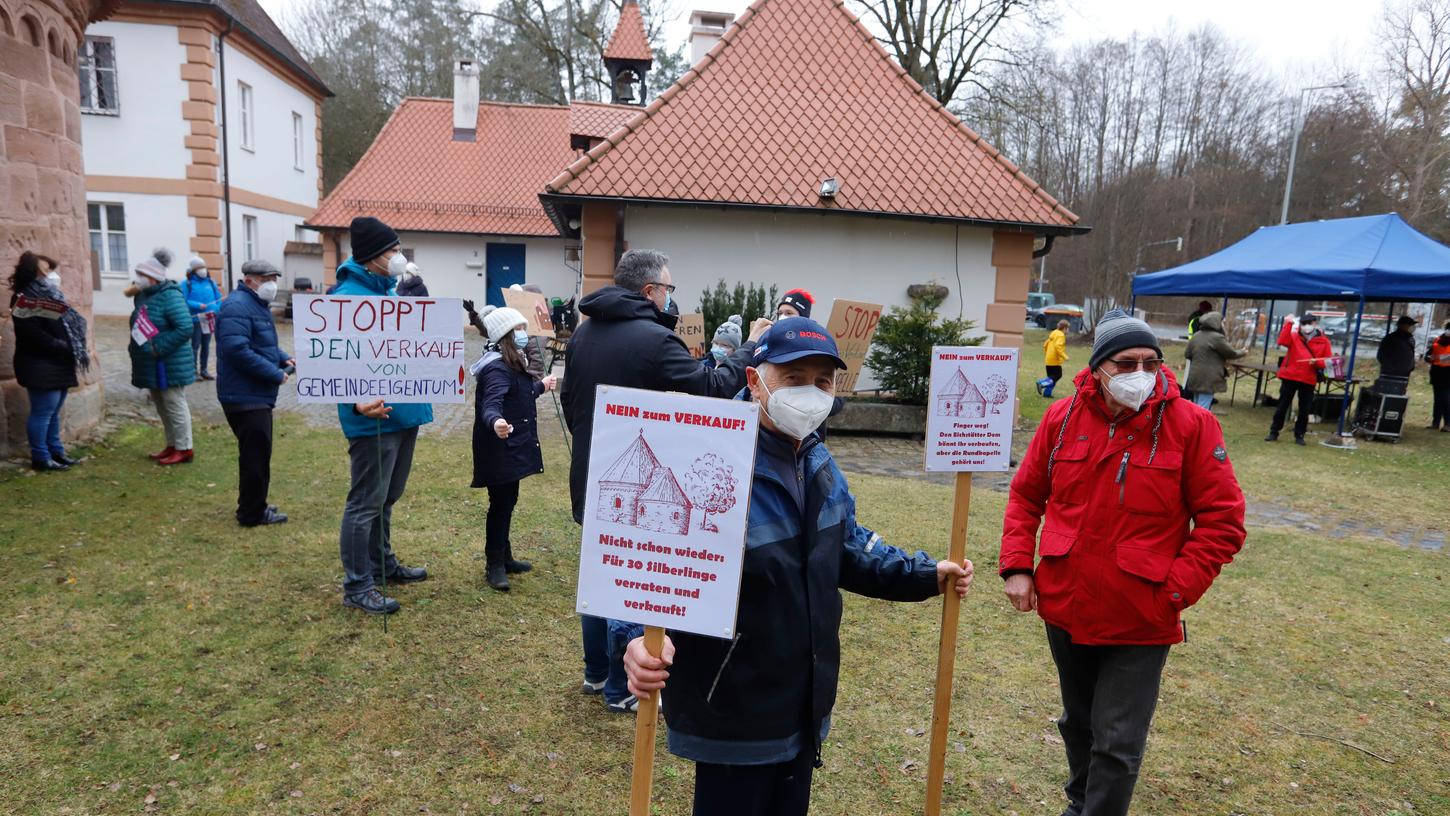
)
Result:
{"points": [[628, 58]]}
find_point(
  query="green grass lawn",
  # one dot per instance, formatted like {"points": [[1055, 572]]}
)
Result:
{"points": [[156, 657]]}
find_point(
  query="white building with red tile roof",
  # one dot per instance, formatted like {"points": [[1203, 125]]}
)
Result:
{"points": [[794, 152]]}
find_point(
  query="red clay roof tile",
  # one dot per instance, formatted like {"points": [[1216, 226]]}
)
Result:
{"points": [[416, 177], [797, 91], [630, 41]]}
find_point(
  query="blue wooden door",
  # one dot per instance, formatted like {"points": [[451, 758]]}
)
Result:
{"points": [[505, 268]]}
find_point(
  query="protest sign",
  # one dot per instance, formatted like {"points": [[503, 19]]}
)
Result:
{"points": [[535, 309], [664, 520], [969, 414], [970, 408], [142, 329], [358, 349], [48, 308], [853, 324], [691, 329]]}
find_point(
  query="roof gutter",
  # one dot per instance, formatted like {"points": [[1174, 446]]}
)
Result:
{"points": [[1046, 247], [556, 204], [261, 41]]}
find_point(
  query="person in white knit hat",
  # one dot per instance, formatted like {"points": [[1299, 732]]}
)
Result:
{"points": [[505, 435]]}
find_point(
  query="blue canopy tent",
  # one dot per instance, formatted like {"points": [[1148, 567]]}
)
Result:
{"points": [[1370, 258]]}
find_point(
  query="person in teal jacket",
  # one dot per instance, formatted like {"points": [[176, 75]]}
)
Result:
{"points": [[381, 437], [163, 364], [203, 299]]}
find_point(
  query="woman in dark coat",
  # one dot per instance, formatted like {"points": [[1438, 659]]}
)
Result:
{"points": [[50, 344], [505, 435]]}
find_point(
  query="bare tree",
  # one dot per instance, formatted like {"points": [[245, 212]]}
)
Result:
{"points": [[1415, 41]]}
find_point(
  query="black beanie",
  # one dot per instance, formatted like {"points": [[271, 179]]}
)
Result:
{"points": [[370, 238], [800, 299]]}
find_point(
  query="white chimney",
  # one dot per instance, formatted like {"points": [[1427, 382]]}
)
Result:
{"points": [[706, 29], [465, 100]]}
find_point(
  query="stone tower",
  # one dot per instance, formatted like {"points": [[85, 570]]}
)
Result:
{"points": [[42, 182]]}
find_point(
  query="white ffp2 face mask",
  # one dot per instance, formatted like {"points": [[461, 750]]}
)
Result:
{"points": [[1132, 390], [267, 291], [53, 276], [797, 410], [397, 265]]}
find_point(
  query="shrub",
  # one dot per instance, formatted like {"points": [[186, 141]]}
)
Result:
{"points": [[901, 351], [749, 302]]}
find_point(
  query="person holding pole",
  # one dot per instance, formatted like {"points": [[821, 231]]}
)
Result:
{"points": [[629, 340], [753, 712], [380, 440], [1138, 509]]}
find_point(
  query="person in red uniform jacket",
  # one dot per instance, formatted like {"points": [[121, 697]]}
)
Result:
{"points": [[1138, 509], [1299, 369]]}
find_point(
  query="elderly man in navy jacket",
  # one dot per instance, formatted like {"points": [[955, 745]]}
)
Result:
{"points": [[753, 712], [250, 366]]}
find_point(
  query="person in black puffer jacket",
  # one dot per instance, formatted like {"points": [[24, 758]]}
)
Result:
{"points": [[505, 435], [50, 345]]}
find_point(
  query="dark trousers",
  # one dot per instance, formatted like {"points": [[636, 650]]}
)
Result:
{"points": [[1288, 390], [1440, 411], [783, 789], [501, 501], [253, 430], [1054, 373], [380, 468], [200, 345], [1108, 697]]}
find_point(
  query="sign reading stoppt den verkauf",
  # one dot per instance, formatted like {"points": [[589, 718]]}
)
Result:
{"points": [[358, 349], [970, 408], [665, 517]]}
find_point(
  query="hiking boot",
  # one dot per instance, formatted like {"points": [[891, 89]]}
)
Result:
{"points": [[628, 705], [404, 575], [271, 516], [1272, 437], [511, 565], [372, 602], [497, 577], [168, 452]]}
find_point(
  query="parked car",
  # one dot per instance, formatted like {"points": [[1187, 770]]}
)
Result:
{"points": [[300, 286], [1072, 313], [1036, 302]]}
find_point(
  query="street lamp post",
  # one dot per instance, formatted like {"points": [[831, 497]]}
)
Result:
{"points": [[1300, 111]]}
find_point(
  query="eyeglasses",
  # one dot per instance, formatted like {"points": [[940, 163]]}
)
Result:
{"points": [[1129, 366], [669, 287]]}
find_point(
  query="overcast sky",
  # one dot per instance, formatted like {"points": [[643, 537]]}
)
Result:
{"points": [[1298, 38]]}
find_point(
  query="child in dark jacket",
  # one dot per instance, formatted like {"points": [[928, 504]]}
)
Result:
{"points": [[505, 435]]}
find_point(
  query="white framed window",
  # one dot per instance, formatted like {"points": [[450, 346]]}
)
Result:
{"points": [[108, 237], [244, 119], [97, 69], [249, 238], [297, 150]]}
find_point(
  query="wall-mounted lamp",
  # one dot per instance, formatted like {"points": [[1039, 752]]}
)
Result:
{"points": [[830, 187]]}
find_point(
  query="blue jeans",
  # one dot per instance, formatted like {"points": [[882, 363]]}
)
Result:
{"points": [[1203, 399], [43, 425], [604, 656], [200, 345]]}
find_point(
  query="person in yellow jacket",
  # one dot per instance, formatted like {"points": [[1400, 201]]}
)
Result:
{"points": [[1054, 351]]}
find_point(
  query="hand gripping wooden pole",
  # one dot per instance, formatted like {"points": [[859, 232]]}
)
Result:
{"points": [[947, 652], [646, 722]]}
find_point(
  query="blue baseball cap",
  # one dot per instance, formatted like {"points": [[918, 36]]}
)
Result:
{"points": [[793, 338]]}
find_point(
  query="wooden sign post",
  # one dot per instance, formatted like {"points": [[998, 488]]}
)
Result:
{"points": [[664, 527], [646, 723], [968, 429]]}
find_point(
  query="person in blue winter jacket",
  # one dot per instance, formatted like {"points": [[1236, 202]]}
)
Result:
{"points": [[381, 437], [250, 366], [203, 300], [753, 712]]}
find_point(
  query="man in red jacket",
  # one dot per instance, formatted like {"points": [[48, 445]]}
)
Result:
{"points": [[1307, 349], [1139, 509]]}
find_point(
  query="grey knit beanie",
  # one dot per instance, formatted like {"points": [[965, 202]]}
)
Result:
{"points": [[1118, 331], [729, 332]]}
